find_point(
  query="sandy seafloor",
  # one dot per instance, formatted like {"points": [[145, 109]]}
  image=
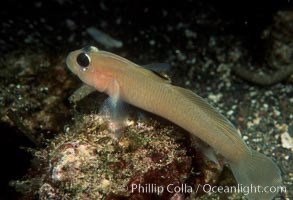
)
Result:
{"points": [[202, 42]]}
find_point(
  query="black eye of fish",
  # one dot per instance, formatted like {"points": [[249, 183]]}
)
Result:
{"points": [[83, 60]]}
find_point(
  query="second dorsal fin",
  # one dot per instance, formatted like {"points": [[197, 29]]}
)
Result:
{"points": [[159, 69]]}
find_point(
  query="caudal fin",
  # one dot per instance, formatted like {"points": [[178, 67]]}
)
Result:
{"points": [[258, 171]]}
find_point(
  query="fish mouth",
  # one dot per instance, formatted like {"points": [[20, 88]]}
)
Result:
{"points": [[70, 62], [67, 60]]}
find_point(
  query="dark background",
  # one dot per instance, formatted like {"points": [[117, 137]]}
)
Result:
{"points": [[45, 23]]}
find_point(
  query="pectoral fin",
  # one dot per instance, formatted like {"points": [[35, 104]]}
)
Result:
{"points": [[114, 108]]}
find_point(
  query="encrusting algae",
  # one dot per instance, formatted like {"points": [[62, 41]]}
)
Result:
{"points": [[87, 162]]}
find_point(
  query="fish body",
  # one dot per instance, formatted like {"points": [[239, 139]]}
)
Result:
{"points": [[124, 80]]}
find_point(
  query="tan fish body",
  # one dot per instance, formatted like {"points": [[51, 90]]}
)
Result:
{"points": [[123, 80]]}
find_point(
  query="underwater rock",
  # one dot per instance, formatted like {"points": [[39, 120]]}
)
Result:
{"points": [[278, 53], [90, 162], [33, 89]]}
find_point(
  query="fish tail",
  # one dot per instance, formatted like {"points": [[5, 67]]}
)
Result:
{"points": [[257, 171]]}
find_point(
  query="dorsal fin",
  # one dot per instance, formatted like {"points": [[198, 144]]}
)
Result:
{"points": [[162, 76], [159, 69]]}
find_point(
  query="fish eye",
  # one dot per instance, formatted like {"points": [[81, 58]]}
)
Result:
{"points": [[83, 60]]}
